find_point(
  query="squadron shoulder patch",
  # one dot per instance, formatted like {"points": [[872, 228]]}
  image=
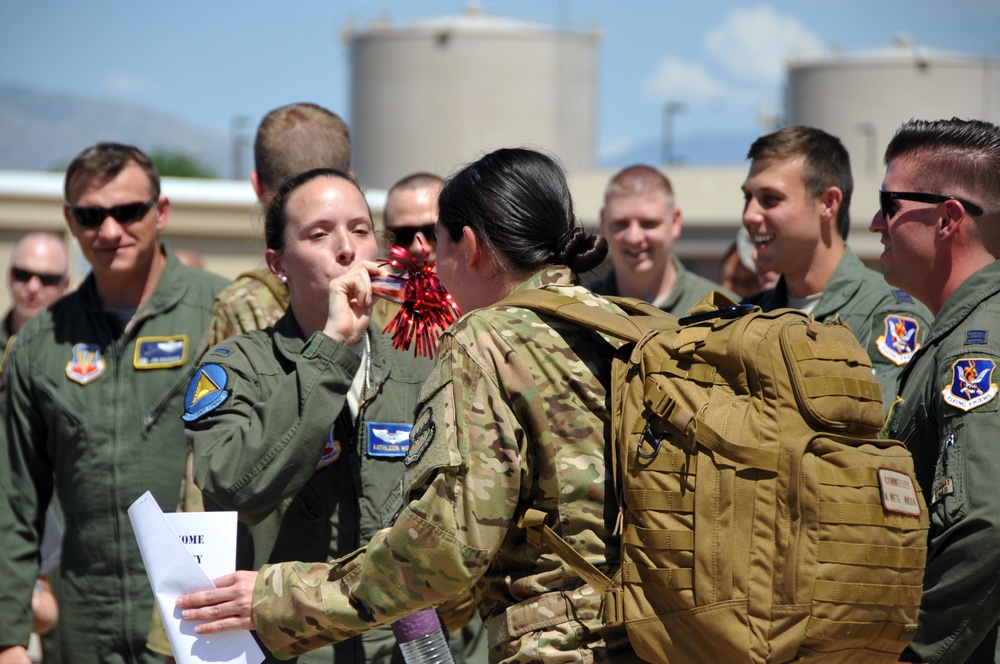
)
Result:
{"points": [[971, 383], [332, 449], [160, 352], [388, 440], [206, 392], [86, 364], [898, 342]]}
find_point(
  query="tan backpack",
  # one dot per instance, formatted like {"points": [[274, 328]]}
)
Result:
{"points": [[762, 519]]}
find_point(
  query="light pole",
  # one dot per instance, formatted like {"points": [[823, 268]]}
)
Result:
{"points": [[670, 109]]}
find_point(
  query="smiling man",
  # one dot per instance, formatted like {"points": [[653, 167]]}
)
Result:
{"points": [[641, 221], [95, 387], [939, 220], [796, 201]]}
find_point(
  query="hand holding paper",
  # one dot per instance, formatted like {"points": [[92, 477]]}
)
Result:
{"points": [[174, 572]]}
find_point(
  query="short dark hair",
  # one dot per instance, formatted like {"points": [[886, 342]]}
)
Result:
{"points": [[518, 203], [418, 180], [104, 162], [299, 137], [276, 218], [952, 155], [825, 163]]}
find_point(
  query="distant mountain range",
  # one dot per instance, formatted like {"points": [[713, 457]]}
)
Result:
{"points": [[45, 130]]}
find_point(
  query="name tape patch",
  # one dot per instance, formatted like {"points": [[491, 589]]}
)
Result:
{"points": [[388, 440], [160, 352], [899, 493]]}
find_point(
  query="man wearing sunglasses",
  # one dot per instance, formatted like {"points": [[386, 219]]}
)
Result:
{"points": [[797, 197], [411, 211], [95, 384], [37, 276], [939, 221]]}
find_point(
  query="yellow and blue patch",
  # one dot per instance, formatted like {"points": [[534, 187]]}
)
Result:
{"points": [[971, 383], [388, 440], [898, 342], [206, 392], [86, 364], [160, 352], [332, 449]]}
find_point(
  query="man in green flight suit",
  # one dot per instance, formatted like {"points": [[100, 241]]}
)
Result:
{"points": [[939, 219], [797, 200], [94, 386], [641, 221]]}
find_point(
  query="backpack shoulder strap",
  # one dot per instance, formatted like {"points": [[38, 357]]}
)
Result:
{"points": [[539, 534], [621, 326]]}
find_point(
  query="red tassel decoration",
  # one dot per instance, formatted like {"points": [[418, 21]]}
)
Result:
{"points": [[426, 308]]}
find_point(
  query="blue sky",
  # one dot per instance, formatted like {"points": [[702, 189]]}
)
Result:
{"points": [[211, 60]]}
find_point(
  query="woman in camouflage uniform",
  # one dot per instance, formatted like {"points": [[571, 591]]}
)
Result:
{"points": [[515, 416]]}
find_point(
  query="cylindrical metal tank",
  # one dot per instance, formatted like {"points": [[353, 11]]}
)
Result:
{"points": [[863, 98], [439, 93]]}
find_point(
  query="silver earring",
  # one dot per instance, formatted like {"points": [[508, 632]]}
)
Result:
{"points": [[283, 279]]}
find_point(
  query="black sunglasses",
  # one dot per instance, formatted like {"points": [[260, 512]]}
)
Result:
{"points": [[404, 235], [93, 217], [24, 276], [888, 207]]}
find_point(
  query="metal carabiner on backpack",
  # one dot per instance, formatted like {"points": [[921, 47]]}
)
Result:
{"points": [[654, 438]]}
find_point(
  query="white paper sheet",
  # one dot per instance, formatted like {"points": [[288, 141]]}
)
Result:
{"points": [[173, 572]]}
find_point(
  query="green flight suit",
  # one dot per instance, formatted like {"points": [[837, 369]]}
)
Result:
{"points": [[688, 290], [280, 448], [93, 410], [948, 414], [874, 311]]}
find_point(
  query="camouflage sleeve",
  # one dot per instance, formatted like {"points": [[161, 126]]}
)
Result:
{"points": [[465, 470], [241, 307]]}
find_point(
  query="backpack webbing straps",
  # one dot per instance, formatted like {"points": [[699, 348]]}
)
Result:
{"points": [[696, 430], [540, 534]]}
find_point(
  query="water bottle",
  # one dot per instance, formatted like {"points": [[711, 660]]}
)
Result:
{"points": [[421, 638]]}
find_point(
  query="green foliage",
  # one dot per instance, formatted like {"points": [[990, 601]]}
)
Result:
{"points": [[179, 164]]}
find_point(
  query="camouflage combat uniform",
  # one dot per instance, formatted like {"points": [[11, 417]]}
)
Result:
{"points": [[688, 290], [255, 300], [873, 310], [515, 415]]}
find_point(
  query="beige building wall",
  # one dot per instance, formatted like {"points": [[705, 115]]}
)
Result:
{"points": [[221, 218]]}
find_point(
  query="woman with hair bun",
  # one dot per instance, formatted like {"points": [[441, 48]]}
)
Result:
{"points": [[515, 416]]}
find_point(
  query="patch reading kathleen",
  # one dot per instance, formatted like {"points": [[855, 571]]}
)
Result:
{"points": [[421, 435], [388, 440]]}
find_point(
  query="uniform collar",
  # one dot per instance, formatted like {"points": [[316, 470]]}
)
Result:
{"points": [[981, 286]]}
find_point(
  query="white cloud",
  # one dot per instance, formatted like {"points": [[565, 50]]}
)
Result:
{"points": [[126, 84], [681, 80], [757, 43]]}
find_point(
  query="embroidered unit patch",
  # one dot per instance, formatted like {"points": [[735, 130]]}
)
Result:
{"points": [[388, 440], [971, 383], [206, 392], [332, 449], [160, 352], [898, 342], [86, 365]]}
